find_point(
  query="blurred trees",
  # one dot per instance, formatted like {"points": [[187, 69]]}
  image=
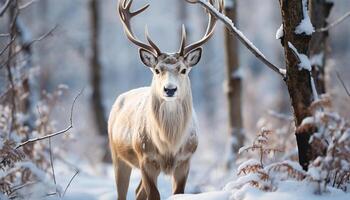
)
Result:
{"points": [[233, 87], [319, 47], [95, 75]]}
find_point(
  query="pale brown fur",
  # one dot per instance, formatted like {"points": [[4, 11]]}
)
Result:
{"points": [[154, 135], [154, 128]]}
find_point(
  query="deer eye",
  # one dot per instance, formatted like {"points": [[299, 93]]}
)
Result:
{"points": [[183, 71], [157, 71]]}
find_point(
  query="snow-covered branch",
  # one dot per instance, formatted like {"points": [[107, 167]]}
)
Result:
{"points": [[241, 37], [336, 22]]}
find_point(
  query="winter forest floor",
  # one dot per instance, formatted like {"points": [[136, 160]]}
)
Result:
{"points": [[86, 186]]}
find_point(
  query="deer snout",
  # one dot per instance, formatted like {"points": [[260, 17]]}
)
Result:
{"points": [[170, 90]]}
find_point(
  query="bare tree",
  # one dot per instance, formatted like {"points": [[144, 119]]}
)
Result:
{"points": [[297, 75], [233, 87], [298, 80], [95, 75], [319, 12]]}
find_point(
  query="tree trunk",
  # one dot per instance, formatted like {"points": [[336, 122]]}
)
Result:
{"points": [[233, 93], [319, 12], [298, 81], [95, 76]]}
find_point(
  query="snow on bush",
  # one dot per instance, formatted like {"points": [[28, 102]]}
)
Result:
{"points": [[327, 173], [331, 147], [25, 171]]}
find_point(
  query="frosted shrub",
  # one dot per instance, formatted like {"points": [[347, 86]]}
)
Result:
{"points": [[331, 147], [24, 168]]}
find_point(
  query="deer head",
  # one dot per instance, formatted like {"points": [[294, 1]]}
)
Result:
{"points": [[170, 70]]}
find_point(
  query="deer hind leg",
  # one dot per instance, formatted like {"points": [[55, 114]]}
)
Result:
{"points": [[180, 177], [150, 171], [122, 177]]}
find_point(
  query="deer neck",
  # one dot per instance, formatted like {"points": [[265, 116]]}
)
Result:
{"points": [[172, 119]]}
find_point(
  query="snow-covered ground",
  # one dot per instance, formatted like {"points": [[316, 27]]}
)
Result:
{"points": [[101, 187]]}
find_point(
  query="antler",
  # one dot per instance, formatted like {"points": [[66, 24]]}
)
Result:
{"points": [[209, 32], [125, 16]]}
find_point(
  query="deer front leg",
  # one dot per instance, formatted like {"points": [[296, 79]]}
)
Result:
{"points": [[150, 171], [180, 177]]}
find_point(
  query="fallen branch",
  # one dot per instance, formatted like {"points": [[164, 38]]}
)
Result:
{"points": [[336, 22], [56, 133], [343, 84], [231, 27]]}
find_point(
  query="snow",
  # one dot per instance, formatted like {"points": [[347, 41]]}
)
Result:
{"points": [[283, 71], [313, 87], [242, 149], [288, 190], [345, 136], [293, 164], [308, 120], [317, 59], [217, 195], [304, 60], [305, 26], [279, 32], [250, 162]]}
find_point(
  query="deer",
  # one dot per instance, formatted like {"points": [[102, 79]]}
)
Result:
{"points": [[154, 128]]}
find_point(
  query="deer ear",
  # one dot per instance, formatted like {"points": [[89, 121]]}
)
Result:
{"points": [[148, 58], [193, 57]]}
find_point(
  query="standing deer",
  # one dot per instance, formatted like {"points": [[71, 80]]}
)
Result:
{"points": [[154, 128]]}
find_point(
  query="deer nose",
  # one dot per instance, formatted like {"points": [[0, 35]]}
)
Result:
{"points": [[170, 91]]}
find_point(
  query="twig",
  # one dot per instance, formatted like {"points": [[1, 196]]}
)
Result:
{"points": [[31, 43], [53, 169], [4, 35], [51, 158], [25, 5], [229, 25], [8, 45], [4, 7], [336, 22], [70, 181], [56, 133], [15, 188], [343, 84]]}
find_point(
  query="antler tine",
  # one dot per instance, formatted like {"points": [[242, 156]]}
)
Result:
{"points": [[151, 42], [210, 28], [125, 16], [183, 40]]}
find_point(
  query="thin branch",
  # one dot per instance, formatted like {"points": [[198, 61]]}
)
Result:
{"points": [[27, 4], [343, 84], [336, 22], [70, 181], [56, 133], [52, 168], [8, 45], [5, 35], [4, 7], [231, 27], [15, 188], [31, 43]]}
